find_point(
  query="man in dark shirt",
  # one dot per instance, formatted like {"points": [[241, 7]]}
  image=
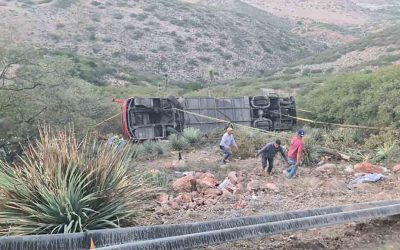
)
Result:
{"points": [[268, 153]]}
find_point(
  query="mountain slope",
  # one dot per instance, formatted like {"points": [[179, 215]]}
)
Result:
{"points": [[370, 53], [170, 37]]}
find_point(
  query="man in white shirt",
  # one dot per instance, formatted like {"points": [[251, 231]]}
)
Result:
{"points": [[226, 142]]}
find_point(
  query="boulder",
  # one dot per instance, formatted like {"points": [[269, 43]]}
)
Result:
{"points": [[367, 167], [184, 184], [206, 181]]}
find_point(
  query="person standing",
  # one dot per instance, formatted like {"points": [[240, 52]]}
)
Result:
{"points": [[295, 153], [268, 153], [226, 142]]}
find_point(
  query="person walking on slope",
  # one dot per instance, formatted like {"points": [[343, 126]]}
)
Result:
{"points": [[295, 153], [268, 153], [226, 142]]}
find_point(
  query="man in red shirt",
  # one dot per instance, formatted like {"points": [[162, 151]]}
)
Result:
{"points": [[296, 152]]}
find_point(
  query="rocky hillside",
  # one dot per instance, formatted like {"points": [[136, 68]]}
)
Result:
{"points": [[332, 22], [181, 39], [370, 53]]}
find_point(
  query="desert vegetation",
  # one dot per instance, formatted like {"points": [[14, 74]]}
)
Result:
{"points": [[63, 184]]}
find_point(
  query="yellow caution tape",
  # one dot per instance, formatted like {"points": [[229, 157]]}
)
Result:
{"points": [[334, 124], [236, 124], [106, 120]]}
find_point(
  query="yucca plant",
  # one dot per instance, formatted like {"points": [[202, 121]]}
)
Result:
{"points": [[62, 185], [177, 142], [152, 148], [192, 135], [384, 151], [310, 154]]}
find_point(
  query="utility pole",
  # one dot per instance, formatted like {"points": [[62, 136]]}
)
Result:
{"points": [[211, 78], [166, 81]]}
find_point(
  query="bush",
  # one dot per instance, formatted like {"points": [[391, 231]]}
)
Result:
{"points": [[177, 142], [152, 148], [365, 99], [63, 185], [192, 135], [310, 155], [383, 152], [250, 141]]}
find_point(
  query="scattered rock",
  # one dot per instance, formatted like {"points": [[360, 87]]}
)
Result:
{"points": [[366, 187], [183, 199], [205, 181], [163, 199], [349, 169], [327, 168], [253, 186], [212, 192], [239, 189], [210, 201], [367, 167], [227, 196], [270, 186], [233, 177], [174, 205], [199, 201], [396, 169], [241, 204], [184, 184]]}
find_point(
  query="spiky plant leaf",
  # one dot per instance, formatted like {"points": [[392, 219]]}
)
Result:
{"points": [[63, 185], [177, 142]]}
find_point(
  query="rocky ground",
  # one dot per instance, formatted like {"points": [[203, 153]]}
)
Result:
{"points": [[192, 196]]}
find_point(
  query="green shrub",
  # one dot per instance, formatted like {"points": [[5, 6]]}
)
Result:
{"points": [[63, 185], [177, 142], [192, 135], [383, 152], [365, 99], [152, 148]]}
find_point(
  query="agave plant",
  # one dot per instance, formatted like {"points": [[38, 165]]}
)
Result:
{"points": [[152, 148], [62, 185], [178, 142], [310, 155], [192, 135], [384, 151]]}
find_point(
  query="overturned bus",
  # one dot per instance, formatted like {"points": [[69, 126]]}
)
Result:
{"points": [[156, 118]]}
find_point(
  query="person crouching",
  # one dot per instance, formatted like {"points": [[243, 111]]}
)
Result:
{"points": [[268, 153], [226, 142]]}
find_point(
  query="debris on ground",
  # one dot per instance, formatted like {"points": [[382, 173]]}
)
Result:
{"points": [[327, 168], [367, 178], [366, 167]]}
